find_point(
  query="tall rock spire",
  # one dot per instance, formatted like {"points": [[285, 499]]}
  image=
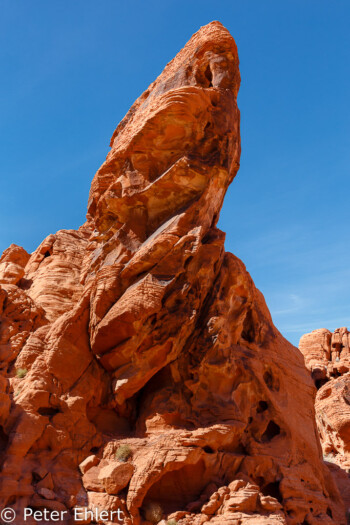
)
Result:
{"points": [[138, 338]]}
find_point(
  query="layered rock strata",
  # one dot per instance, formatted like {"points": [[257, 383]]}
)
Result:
{"points": [[141, 351]]}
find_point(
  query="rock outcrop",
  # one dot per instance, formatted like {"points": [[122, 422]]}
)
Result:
{"points": [[327, 356], [141, 370]]}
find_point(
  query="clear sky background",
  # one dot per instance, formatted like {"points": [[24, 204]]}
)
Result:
{"points": [[71, 69]]}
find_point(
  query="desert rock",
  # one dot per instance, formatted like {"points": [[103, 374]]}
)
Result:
{"points": [[327, 357], [116, 476], [139, 330]]}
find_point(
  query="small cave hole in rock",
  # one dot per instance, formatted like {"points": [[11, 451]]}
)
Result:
{"points": [[329, 513], [272, 430], [47, 254], [177, 488], [209, 75], [208, 450], [268, 378], [248, 333], [273, 489], [262, 406], [25, 284], [48, 411], [320, 382], [94, 450], [35, 478], [3, 439]]}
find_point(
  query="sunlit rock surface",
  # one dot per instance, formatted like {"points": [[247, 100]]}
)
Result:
{"points": [[327, 356], [139, 331]]}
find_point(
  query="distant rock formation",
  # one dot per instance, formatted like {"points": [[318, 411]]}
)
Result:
{"points": [[327, 356], [141, 370]]}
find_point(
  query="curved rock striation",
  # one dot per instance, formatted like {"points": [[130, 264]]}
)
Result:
{"points": [[141, 369]]}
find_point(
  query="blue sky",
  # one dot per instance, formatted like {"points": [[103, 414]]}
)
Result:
{"points": [[71, 70]]}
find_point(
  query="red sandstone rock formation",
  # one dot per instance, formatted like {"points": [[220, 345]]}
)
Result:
{"points": [[327, 356], [139, 330]]}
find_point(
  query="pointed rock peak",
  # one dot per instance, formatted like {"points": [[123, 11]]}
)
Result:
{"points": [[180, 136]]}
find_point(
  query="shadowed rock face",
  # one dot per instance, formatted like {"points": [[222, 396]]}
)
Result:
{"points": [[139, 330], [327, 356]]}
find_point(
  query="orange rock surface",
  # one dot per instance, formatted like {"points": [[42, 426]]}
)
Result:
{"points": [[139, 331], [327, 356]]}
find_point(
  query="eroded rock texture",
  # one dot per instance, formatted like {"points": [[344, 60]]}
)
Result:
{"points": [[139, 330], [327, 356]]}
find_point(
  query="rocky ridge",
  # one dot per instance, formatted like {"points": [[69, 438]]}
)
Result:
{"points": [[141, 370]]}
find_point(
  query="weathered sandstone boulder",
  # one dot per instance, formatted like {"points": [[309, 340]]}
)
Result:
{"points": [[139, 331], [116, 476], [12, 264]]}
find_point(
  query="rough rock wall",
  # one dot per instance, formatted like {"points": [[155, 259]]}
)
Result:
{"points": [[327, 356], [139, 330]]}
